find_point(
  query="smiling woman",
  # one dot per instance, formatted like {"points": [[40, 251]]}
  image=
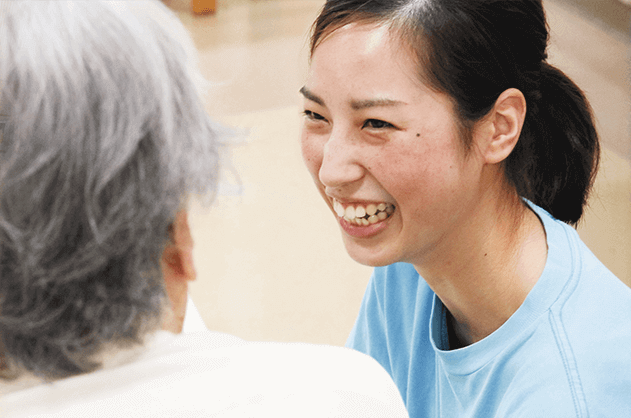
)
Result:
{"points": [[453, 156], [368, 119]]}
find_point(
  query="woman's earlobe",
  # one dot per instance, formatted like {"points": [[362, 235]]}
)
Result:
{"points": [[507, 119]]}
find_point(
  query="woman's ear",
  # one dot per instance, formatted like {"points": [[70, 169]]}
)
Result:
{"points": [[502, 126], [177, 270]]}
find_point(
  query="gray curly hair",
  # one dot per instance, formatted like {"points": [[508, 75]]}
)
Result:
{"points": [[104, 136]]}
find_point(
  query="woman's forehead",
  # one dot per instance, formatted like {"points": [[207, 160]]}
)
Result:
{"points": [[367, 56], [372, 35]]}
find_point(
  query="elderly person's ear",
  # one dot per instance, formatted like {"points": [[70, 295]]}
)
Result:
{"points": [[177, 270]]}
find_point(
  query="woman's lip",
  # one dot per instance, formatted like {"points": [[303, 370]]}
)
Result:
{"points": [[357, 231], [348, 202]]}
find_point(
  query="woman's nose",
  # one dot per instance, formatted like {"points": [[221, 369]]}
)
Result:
{"points": [[340, 162]]}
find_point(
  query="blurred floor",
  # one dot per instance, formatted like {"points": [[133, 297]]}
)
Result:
{"points": [[614, 14], [271, 264]]}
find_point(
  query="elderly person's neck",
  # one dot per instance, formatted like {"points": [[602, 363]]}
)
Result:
{"points": [[177, 270]]}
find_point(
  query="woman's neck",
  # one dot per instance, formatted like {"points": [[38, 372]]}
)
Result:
{"points": [[487, 274]]}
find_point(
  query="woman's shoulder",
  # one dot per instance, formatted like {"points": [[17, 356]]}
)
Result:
{"points": [[570, 255]]}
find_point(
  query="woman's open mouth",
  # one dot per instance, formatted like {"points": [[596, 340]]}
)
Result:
{"points": [[364, 215]]}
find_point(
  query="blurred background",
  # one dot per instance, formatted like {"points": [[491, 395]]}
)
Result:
{"points": [[270, 259]]}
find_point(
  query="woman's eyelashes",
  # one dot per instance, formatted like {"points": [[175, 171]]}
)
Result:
{"points": [[311, 115], [377, 124]]}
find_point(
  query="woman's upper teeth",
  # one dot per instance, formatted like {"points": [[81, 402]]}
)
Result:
{"points": [[364, 215]]}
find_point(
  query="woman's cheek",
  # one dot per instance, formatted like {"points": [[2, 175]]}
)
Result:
{"points": [[312, 148]]}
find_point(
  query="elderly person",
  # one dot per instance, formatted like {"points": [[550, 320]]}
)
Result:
{"points": [[103, 138]]}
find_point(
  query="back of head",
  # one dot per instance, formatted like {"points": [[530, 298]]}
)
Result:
{"points": [[473, 50], [103, 137]]}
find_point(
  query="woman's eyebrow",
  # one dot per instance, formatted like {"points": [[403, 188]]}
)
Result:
{"points": [[311, 96], [380, 102], [355, 104]]}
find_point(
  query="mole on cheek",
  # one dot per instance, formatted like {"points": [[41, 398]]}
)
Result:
{"points": [[417, 135]]}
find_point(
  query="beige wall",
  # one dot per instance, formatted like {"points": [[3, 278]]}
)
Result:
{"points": [[271, 263]]}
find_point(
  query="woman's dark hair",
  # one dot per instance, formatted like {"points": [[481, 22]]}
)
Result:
{"points": [[473, 50], [103, 136]]}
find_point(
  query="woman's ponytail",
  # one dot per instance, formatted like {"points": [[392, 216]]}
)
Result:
{"points": [[555, 161]]}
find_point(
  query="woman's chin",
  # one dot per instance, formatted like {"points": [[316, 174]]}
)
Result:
{"points": [[368, 256]]}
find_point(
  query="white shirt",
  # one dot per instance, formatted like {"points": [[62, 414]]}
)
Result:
{"points": [[210, 374]]}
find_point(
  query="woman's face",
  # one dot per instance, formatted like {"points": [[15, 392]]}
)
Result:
{"points": [[384, 150]]}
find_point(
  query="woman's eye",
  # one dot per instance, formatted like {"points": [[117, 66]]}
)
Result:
{"points": [[377, 124], [313, 115]]}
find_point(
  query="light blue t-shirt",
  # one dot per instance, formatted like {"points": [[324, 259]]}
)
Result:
{"points": [[566, 352]]}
